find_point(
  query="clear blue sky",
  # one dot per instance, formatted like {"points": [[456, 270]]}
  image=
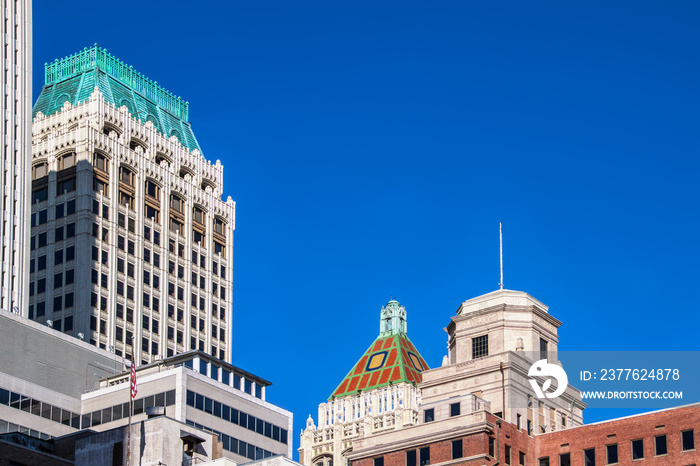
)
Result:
{"points": [[373, 147]]}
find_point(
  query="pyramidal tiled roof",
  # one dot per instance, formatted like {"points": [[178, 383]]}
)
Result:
{"points": [[390, 359], [73, 79]]}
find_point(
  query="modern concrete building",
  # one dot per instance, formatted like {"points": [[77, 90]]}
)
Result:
{"points": [[131, 243], [379, 394], [204, 392], [153, 441], [53, 385], [43, 374], [16, 136]]}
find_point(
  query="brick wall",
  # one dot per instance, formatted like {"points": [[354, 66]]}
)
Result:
{"points": [[475, 447], [621, 432]]}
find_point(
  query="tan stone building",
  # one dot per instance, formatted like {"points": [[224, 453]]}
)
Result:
{"points": [[493, 341]]}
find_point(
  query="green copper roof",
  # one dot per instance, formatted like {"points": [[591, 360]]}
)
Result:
{"points": [[390, 359], [74, 78]]}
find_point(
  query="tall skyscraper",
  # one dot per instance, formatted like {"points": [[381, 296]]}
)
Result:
{"points": [[16, 136], [131, 243]]}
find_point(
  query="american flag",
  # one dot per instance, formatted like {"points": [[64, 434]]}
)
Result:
{"points": [[134, 391]]}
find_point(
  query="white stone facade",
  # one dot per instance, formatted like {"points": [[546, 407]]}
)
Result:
{"points": [[152, 240], [15, 133], [345, 420], [514, 325]]}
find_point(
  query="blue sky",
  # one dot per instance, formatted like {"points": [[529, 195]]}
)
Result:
{"points": [[373, 147]]}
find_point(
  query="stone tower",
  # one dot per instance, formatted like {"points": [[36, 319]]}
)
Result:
{"points": [[132, 245], [378, 394]]}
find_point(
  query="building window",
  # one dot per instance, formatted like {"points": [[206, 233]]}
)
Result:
{"points": [[454, 409], [522, 459], [177, 204], [152, 213], [176, 226], [637, 449], [40, 170], [118, 453], [507, 454], [198, 215], [99, 161], [688, 440], [99, 186], [660, 444], [65, 186], [429, 415], [379, 461], [456, 449], [219, 227], [424, 456], [126, 176], [480, 346], [564, 459], [40, 195], [219, 248], [544, 461], [126, 200], [411, 458], [543, 348], [589, 457], [611, 452], [198, 238], [152, 190], [66, 161]]}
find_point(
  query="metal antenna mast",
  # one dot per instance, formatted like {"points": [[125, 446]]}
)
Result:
{"points": [[500, 229]]}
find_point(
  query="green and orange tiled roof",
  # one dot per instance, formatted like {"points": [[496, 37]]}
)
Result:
{"points": [[390, 359]]}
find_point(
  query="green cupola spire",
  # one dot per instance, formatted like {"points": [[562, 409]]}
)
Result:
{"points": [[393, 319], [390, 359]]}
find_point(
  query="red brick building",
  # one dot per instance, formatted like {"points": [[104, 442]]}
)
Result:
{"points": [[666, 437]]}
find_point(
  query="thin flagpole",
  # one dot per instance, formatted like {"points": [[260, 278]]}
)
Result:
{"points": [[131, 408], [500, 230]]}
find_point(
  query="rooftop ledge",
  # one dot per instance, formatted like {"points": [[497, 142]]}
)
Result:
{"points": [[97, 57], [500, 297]]}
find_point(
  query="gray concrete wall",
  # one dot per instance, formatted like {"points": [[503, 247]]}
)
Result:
{"points": [[42, 356]]}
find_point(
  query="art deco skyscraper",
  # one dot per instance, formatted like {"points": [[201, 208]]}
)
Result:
{"points": [[131, 243], [15, 134]]}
